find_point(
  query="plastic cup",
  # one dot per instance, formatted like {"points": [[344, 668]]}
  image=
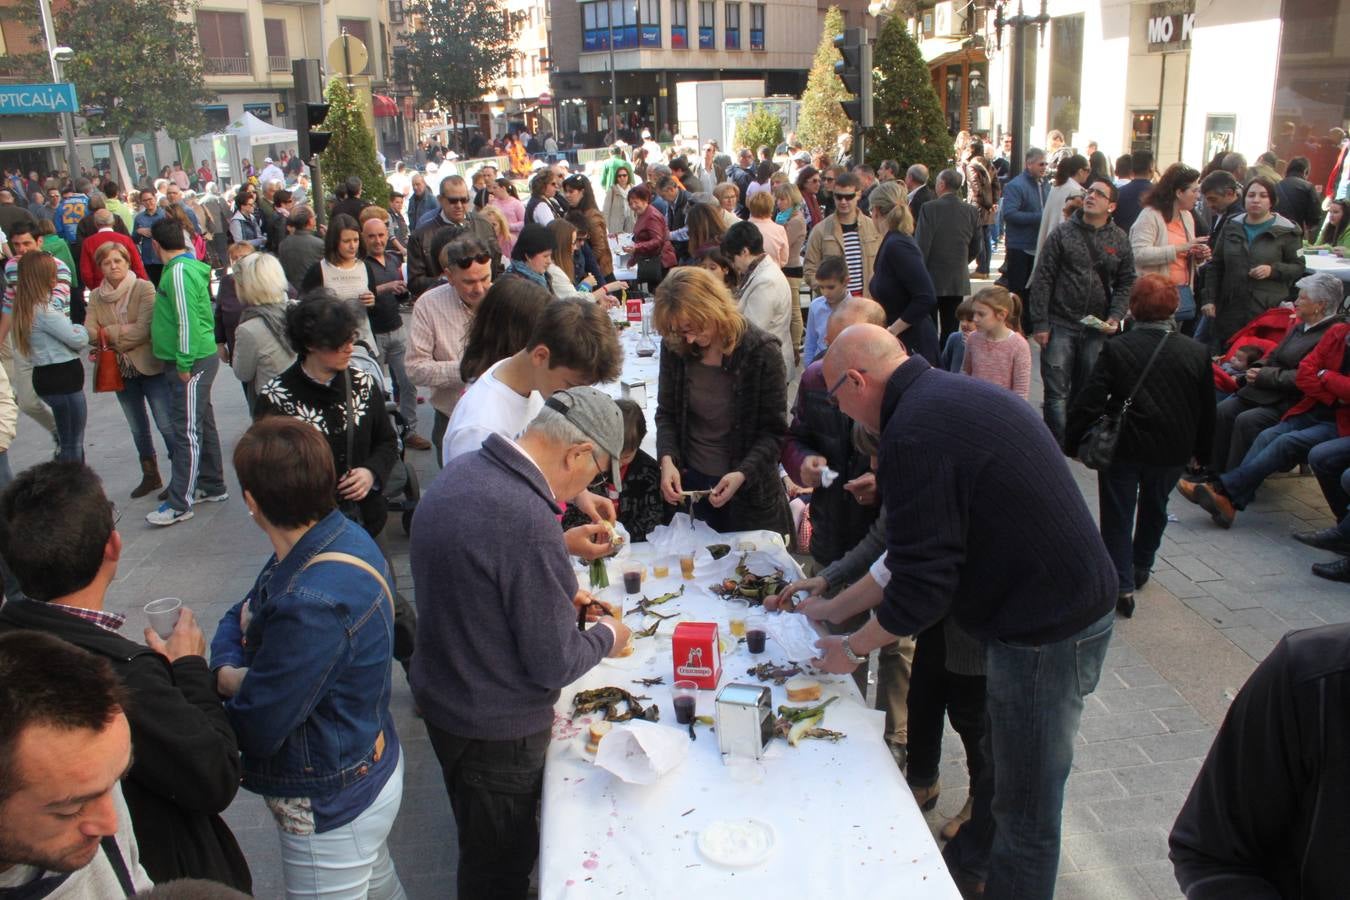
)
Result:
{"points": [[632, 577], [685, 696], [163, 615], [737, 611], [661, 569], [756, 631], [687, 566]]}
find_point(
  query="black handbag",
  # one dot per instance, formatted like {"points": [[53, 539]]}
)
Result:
{"points": [[650, 270], [1098, 448]]}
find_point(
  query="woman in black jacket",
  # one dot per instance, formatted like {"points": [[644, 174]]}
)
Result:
{"points": [[720, 414], [900, 280], [1170, 421], [340, 400]]}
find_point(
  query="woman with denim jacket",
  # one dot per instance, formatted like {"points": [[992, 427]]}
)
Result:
{"points": [[304, 662], [53, 344]]}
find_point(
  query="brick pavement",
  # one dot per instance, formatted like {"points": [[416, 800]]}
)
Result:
{"points": [[1215, 606]]}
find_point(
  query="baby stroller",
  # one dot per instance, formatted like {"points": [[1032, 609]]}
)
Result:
{"points": [[402, 490]]}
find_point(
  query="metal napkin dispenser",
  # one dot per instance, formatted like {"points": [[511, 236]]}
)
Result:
{"points": [[744, 720]]}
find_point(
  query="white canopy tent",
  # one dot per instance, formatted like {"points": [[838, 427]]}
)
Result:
{"points": [[252, 131]]}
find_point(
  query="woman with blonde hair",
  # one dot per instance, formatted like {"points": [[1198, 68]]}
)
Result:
{"points": [[728, 197], [261, 349], [120, 309], [721, 402], [53, 345], [500, 227], [761, 208], [790, 212], [900, 280]]}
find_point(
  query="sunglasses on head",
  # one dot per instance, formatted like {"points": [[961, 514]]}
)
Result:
{"points": [[465, 261]]}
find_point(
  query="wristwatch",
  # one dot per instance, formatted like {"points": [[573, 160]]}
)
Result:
{"points": [[850, 655]]}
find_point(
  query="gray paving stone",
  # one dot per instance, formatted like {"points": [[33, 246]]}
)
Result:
{"points": [[1169, 747], [1161, 879], [1158, 696], [1119, 883], [1121, 726], [1108, 755], [1139, 676], [1087, 785], [1177, 775], [1194, 569], [1109, 849], [1178, 585], [1181, 719], [1139, 811], [1210, 609], [1256, 644]]}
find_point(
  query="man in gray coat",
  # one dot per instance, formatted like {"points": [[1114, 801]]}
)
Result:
{"points": [[948, 233], [300, 249]]}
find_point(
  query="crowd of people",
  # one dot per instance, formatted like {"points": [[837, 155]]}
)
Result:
{"points": [[887, 430]]}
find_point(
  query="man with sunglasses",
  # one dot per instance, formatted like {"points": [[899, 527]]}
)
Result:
{"points": [[454, 218], [1023, 202], [1085, 268], [440, 327], [844, 233]]}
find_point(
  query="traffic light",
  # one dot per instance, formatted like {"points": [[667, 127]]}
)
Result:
{"points": [[855, 71], [311, 115]]}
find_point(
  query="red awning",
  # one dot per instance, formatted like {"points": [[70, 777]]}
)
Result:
{"points": [[384, 106]]}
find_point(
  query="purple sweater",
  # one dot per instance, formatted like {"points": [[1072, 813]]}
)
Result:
{"points": [[497, 632]]}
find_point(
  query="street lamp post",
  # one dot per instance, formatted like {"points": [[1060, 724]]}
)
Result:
{"points": [[58, 56], [1018, 23], [613, 82]]}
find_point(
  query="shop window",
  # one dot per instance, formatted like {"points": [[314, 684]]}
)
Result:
{"points": [[679, 24], [1143, 130], [594, 27], [1066, 80], [756, 26], [1312, 85], [733, 33]]}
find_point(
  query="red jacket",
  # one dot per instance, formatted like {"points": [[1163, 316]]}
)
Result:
{"points": [[651, 237], [1333, 387], [92, 275]]}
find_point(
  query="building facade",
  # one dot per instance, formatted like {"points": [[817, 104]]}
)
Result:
{"points": [[658, 44], [1183, 79]]}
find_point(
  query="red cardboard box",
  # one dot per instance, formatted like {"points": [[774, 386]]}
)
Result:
{"points": [[633, 307], [697, 654]]}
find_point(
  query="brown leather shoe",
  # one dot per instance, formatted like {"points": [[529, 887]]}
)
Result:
{"points": [[1217, 504], [1187, 489], [417, 442], [926, 797]]}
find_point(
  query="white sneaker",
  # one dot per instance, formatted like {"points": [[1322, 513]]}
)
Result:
{"points": [[167, 515], [203, 497]]}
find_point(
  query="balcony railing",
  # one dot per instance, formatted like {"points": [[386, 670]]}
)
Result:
{"points": [[226, 65], [278, 63]]}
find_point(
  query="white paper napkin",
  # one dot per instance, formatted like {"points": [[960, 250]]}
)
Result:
{"points": [[640, 752]]}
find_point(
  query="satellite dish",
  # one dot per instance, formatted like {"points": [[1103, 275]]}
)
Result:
{"points": [[347, 56]]}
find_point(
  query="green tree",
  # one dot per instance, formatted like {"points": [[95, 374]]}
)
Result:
{"points": [[821, 118], [909, 124], [761, 128], [351, 150], [136, 61], [459, 50]]}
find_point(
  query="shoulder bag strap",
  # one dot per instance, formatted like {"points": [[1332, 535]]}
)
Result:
{"points": [[349, 559], [119, 865], [1144, 374]]}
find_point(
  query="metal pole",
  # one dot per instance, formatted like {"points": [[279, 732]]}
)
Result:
{"points": [[58, 75], [323, 51], [1019, 90]]}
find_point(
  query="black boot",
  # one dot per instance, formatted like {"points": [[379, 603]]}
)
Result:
{"points": [[1333, 571], [1326, 539], [1125, 605], [1141, 575]]}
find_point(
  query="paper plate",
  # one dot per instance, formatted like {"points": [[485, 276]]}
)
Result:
{"points": [[737, 843]]}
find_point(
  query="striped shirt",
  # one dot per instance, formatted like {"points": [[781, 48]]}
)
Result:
{"points": [[60, 300], [436, 339], [1005, 362], [853, 256]]}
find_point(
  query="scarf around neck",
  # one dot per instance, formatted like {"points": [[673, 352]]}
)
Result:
{"points": [[119, 296]]}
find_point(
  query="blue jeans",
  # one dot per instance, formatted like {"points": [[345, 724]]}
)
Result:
{"points": [[1133, 514], [1066, 365], [1034, 701], [154, 390], [393, 350], [70, 412], [985, 252], [1277, 449], [1330, 462]]}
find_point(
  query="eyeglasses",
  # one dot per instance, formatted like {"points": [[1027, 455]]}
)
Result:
{"points": [[116, 513], [465, 261], [845, 198], [455, 199], [829, 397], [1100, 192]]}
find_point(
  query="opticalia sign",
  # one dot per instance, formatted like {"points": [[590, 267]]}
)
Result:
{"points": [[35, 99], [1170, 26]]}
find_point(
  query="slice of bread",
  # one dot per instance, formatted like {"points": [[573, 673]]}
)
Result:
{"points": [[596, 734], [802, 690]]}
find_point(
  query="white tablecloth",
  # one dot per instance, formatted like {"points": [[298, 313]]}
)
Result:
{"points": [[846, 824], [639, 370], [1336, 265]]}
